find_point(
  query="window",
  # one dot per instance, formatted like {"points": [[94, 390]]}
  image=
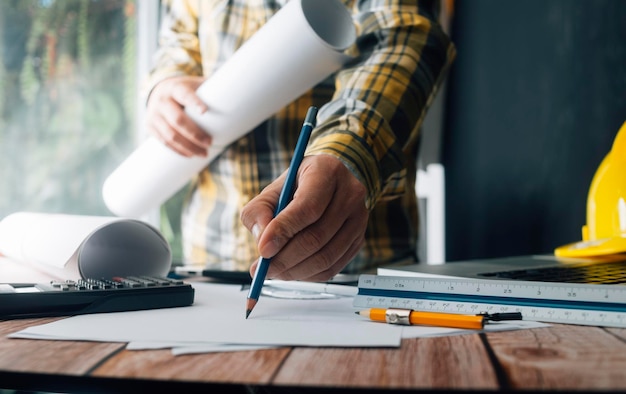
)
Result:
{"points": [[69, 110], [67, 81]]}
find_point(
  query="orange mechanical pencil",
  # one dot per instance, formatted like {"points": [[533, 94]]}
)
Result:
{"points": [[454, 320]]}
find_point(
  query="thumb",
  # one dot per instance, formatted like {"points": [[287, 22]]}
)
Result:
{"points": [[185, 94], [259, 211]]}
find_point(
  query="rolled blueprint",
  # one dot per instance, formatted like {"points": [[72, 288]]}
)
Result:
{"points": [[298, 47], [74, 246]]}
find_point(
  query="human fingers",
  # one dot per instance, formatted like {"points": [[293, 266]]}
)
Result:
{"points": [[168, 121], [327, 261], [325, 246], [259, 211], [173, 135], [183, 91], [326, 216], [338, 266], [326, 274]]}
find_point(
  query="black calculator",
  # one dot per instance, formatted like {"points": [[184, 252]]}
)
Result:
{"points": [[76, 297]]}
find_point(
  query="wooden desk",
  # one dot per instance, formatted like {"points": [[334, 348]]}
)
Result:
{"points": [[560, 357]]}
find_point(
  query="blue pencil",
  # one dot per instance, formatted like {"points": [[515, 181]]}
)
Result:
{"points": [[285, 197]]}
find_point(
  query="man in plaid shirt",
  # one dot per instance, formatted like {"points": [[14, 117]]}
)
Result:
{"points": [[354, 206]]}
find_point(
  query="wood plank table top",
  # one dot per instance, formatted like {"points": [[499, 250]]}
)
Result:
{"points": [[559, 357], [555, 358]]}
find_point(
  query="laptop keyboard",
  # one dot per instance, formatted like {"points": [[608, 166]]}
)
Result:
{"points": [[597, 273]]}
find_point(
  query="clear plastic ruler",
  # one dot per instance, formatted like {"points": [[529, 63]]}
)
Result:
{"points": [[594, 305]]}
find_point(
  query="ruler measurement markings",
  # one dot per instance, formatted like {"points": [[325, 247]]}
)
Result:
{"points": [[542, 290], [549, 315], [506, 300], [539, 301]]}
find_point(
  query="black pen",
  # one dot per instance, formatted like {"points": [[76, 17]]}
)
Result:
{"points": [[285, 197]]}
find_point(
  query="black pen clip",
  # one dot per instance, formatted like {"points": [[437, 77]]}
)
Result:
{"points": [[501, 316]]}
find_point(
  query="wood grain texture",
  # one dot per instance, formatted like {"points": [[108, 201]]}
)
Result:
{"points": [[245, 367], [434, 363], [559, 357], [564, 357], [41, 356]]}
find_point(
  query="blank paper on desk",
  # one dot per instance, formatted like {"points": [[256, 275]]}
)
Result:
{"points": [[217, 317], [299, 46]]}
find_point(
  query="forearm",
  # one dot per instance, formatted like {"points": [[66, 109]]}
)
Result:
{"points": [[401, 57]]}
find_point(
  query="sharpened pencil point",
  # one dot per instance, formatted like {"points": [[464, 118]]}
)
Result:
{"points": [[250, 306]]}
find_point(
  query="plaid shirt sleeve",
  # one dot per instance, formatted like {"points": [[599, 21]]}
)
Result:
{"points": [[401, 57]]}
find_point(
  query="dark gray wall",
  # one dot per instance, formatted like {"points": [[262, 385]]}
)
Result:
{"points": [[536, 97]]}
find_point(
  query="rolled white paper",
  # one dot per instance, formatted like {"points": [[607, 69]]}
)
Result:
{"points": [[298, 47], [73, 246]]}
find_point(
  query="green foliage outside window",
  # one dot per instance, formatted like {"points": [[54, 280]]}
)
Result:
{"points": [[68, 96], [67, 101]]}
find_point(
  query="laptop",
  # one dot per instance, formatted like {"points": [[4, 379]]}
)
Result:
{"points": [[608, 269]]}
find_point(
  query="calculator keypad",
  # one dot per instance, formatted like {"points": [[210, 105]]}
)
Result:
{"points": [[113, 283]]}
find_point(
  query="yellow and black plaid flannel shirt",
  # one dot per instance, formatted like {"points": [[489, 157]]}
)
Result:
{"points": [[370, 116]]}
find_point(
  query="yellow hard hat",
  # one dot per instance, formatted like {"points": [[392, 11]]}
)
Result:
{"points": [[605, 231]]}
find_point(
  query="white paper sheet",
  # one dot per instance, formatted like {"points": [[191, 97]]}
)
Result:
{"points": [[178, 351], [218, 316], [216, 323], [299, 46], [195, 348], [71, 246], [407, 332]]}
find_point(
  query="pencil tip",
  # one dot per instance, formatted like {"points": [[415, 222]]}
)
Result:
{"points": [[357, 313], [250, 306]]}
